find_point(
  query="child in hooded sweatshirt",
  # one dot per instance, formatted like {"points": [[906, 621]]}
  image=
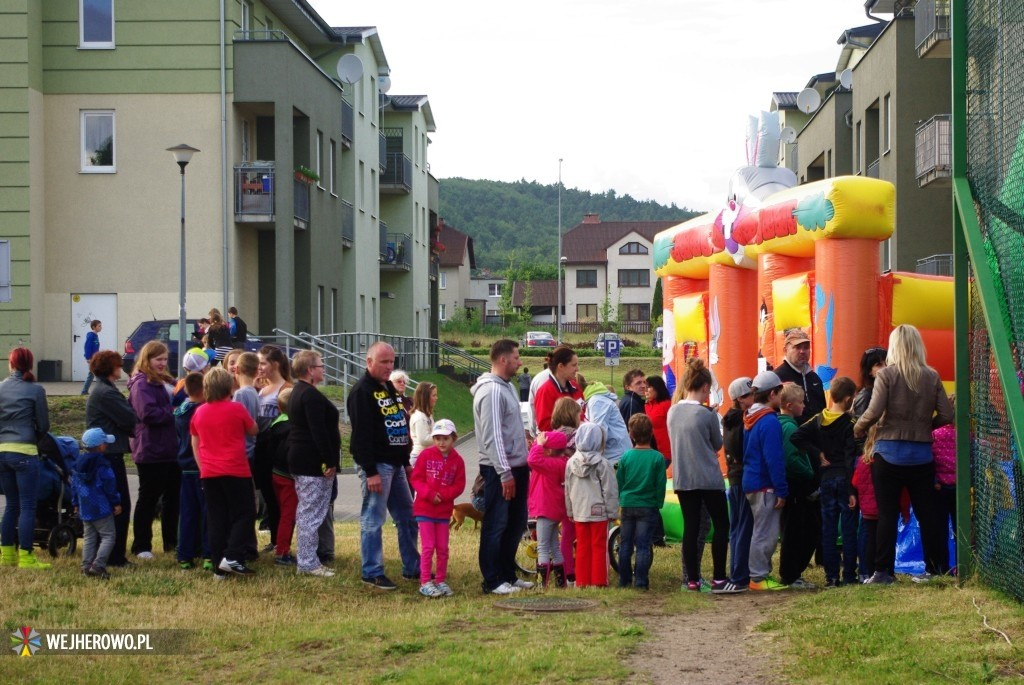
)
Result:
{"points": [[740, 519], [546, 501], [192, 506], [828, 440], [603, 410], [591, 499], [94, 494]]}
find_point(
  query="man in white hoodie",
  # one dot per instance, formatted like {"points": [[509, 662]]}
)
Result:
{"points": [[502, 442]]}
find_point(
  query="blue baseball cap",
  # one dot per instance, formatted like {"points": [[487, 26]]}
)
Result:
{"points": [[94, 437]]}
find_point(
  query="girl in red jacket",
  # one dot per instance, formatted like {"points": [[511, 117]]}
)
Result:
{"points": [[546, 502], [865, 498], [438, 477]]}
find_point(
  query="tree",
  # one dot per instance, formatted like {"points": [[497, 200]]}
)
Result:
{"points": [[526, 311], [656, 303], [605, 310], [505, 308]]}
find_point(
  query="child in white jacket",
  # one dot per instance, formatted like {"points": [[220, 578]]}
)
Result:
{"points": [[591, 499]]}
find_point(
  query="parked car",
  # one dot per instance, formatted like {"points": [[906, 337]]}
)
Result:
{"points": [[166, 331], [601, 337], [539, 339], [659, 338]]}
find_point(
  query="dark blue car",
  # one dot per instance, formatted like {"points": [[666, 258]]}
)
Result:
{"points": [[166, 331]]}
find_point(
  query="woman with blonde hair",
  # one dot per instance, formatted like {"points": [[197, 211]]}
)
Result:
{"points": [[422, 420], [908, 401], [154, 445]]}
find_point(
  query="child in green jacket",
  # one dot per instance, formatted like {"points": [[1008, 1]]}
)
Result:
{"points": [[801, 520]]}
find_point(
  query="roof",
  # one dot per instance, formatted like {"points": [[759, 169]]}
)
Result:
{"points": [[362, 34], [456, 244], [784, 99], [861, 34], [413, 103], [588, 242], [543, 293]]}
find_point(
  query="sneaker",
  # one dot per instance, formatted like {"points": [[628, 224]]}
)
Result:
{"points": [[430, 590], [923, 578], [207, 564], [801, 584], [268, 548], [863, 578], [380, 583], [880, 578], [445, 590], [145, 555], [220, 576], [319, 571], [831, 583], [523, 584], [726, 587], [692, 586], [237, 567], [411, 576], [505, 589], [186, 565], [98, 572], [767, 584], [285, 560]]}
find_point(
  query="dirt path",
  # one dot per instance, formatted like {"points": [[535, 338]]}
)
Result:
{"points": [[710, 647]]}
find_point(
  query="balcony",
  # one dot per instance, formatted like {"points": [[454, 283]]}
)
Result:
{"points": [[348, 124], [933, 151], [931, 28], [254, 193], [434, 265], [872, 171], [383, 143], [301, 204], [936, 265], [396, 251], [397, 178], [348, 224]]}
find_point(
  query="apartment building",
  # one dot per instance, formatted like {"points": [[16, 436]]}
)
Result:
{"points": [[92, 94]]}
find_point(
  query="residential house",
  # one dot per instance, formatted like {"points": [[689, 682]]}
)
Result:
{"points": [[540, 296], [484, 295], [457, 260]]}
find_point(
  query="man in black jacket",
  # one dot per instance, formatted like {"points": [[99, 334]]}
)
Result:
{"points": [[239, 331], [380, 445], [796, 368], [635, 385]]}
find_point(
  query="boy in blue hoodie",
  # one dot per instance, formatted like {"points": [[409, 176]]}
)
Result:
{"points": [[192, 504], [95, 497], [764, 476]]}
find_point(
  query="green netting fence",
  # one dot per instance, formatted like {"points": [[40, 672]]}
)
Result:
{"points": [[994, 70]]}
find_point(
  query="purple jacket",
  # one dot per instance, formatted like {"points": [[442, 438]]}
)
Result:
{"points": [[154, 439]]}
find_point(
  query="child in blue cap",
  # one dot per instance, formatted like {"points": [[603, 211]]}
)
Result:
{"points": [[95, 497]]}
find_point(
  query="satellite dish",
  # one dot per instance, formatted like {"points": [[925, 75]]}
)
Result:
{"points": [[788, 135], [384, 84], [383, 100], [350, 68], [808, 100], [846, 79]]}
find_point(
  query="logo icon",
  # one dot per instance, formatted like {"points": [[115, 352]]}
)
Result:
{"points": [[26, 641]]}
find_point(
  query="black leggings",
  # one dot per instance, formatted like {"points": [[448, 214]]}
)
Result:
{"points": [[156, 481], [714, 501], [889, 480], [230, 513]]}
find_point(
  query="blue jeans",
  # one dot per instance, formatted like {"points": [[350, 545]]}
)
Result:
{"points": [[395, 497], [636, 530], [741, 526], [19, 480], [836, 515], [88, 382], [502, 527], [192, 519]]}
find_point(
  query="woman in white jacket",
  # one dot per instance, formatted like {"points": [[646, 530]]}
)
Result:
{"points": [[591, 499], [422, 419]]}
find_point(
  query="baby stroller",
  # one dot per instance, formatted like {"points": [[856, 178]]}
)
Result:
{"points": [[57, 526]]}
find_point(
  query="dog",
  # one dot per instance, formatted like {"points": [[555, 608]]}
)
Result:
{"points": [[464, 510]]}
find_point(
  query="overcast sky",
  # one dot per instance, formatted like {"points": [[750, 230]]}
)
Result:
{"points": [[648, 97]]}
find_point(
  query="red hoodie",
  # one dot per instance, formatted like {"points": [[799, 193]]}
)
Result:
{"points": [[435, 474]]}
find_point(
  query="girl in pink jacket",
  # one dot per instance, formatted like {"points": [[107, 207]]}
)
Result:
{"points": [[865, 499], [546, 502], [438, 477]]}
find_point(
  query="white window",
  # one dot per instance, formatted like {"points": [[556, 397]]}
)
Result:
{"points": [[96, 24], [5, 270], [247, 16], [331, 163], [494, 289], [98, 149], [441, 313], [443, 282], [320, 158]]}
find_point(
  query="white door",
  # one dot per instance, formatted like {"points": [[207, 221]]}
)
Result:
{"points": [[84, 309]]}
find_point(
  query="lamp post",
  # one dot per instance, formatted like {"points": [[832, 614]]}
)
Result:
{"points": [[561, 291], [182, 155], [561, 259]]}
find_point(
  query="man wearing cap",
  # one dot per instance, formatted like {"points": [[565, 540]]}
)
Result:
{"points": [[741, 521], [796, 368], [94, 494], [380, 445]]}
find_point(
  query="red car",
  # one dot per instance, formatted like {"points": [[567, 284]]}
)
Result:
{"points": [[539, 339]]}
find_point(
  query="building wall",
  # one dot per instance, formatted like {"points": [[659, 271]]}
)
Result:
{"points": [[616, 261], [826, 141], [575, 296]]}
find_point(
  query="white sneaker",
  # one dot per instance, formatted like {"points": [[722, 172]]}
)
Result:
{"points": [[145, 555], [522, 584], [430, 590], [319, 571], [445, 590], [505, 589]]}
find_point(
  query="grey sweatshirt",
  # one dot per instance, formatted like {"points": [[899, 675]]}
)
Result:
{"points": [[499, 425], [696, 437]]}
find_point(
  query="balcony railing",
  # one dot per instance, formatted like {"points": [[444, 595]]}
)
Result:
{"points": [[254, 193], [348, 223], [933, 146], [383, 241], [383, 149], [872, 171], [936, 265], [348, 123], [434, 267], [397, 178], [397, 252], [931, 28], [301, 204]]}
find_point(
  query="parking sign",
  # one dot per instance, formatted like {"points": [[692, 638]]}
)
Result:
{"points": [[611, 352]]}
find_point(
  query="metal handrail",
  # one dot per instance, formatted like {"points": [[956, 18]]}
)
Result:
{"points": [[461, 361]]}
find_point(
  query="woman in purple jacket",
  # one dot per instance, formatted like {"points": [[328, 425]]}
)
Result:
{"points": [[154, 446]]}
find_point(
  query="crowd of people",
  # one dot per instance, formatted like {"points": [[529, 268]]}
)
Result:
{"points": [[800, 468]]}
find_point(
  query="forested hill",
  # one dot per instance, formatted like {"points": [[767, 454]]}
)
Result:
{"points": [[519, 221]]}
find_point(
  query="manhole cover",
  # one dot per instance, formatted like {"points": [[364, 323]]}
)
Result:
{"points": [[546, 604]]}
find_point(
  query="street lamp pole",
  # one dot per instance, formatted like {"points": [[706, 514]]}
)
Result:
{"points": [[182, 155], [561, 259]]}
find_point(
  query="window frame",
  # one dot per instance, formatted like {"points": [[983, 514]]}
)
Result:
{"points": [[585, 314], [586, 271], [83, 44], [441, 313], [638, 284], [625, 306], [85, 166], [442, 280], [320, 159], [494, 289], [626, 249], [332, 170], [6, 288]]}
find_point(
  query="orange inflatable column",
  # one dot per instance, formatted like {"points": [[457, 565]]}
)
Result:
{"points": [[769, 268], [845, 305], [671, 288], [732, 331]]}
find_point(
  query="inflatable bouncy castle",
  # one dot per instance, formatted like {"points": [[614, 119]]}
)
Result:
{"points": [[780, 256]]}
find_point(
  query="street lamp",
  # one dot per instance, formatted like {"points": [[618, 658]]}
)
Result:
{"points": [[561, 291], [182, 155], [561, 259]]}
